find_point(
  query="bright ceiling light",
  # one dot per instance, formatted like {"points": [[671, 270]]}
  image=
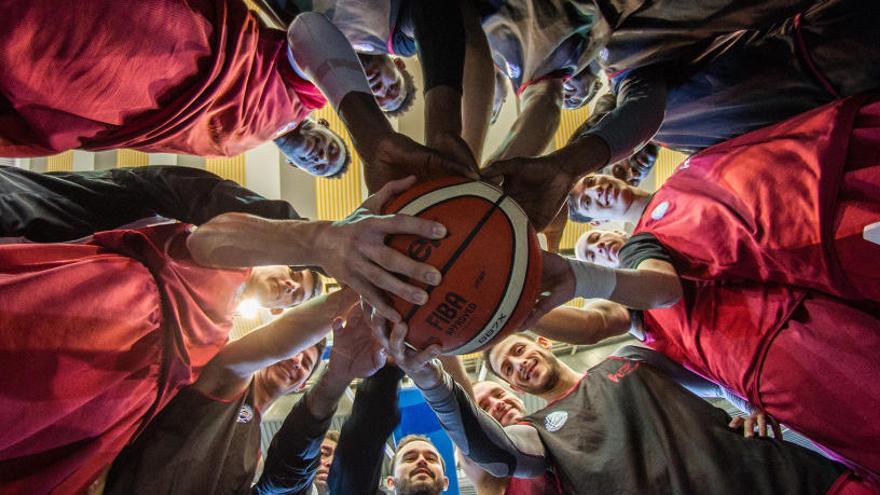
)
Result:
{"points": [[248, 308]]}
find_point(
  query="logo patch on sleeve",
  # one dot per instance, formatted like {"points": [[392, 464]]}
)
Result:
{"points": [[555, 420], [245, 414]]}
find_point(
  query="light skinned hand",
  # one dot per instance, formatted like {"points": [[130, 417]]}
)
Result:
{"points": [[355, 353], [415, 363], [759, 420], [353, 251]]}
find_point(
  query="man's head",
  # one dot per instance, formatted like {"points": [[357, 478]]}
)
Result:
{"points": [[501, 404], [600, 198], [313, 147], [526, 364], [392, 85], [634, 169], [280, 286], [601, 247], [418, 468], [579, 89], [290, 375], [501, 91], [328, 450]]}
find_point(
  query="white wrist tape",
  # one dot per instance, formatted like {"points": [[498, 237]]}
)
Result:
{"points": [[593, 281], [319, 52]]}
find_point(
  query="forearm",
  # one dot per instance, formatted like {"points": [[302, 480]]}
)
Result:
{"points": [[297, 330], [478, 84], [452, 365], [357, 462], [598, 320], [534, 128], [238, 240], [323, 398], [503, 452], [295, 452], [641, 105], [654, 284]]}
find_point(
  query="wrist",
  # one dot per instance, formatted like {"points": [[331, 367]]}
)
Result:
{"points": [[365, 122], [318, 235], [592, 281], [582, 156], [428, 377]]}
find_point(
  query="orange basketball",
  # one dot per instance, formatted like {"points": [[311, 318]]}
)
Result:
{"points": [[490, 262]]}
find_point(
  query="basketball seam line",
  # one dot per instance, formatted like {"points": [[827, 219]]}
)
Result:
{"points": [[457, 253]]}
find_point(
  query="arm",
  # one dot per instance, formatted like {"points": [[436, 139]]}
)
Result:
{"points": [[654, 284], [479, 82], [229, 373], [63, 206], [357, 462], [599, 320], [536, 125]]}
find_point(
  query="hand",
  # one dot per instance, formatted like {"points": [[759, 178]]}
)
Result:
{"points": [[455, 148], [556, 229], [557, 286], [353, 251], [540, 185], [396, 156], [759, 419], [416, 364], [355, 353]]}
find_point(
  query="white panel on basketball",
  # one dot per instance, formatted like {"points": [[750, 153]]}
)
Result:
{"points": [[520, 265]]}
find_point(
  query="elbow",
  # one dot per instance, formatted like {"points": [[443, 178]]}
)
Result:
{"points": [[669, 297]]}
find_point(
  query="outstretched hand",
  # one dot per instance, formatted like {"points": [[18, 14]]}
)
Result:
{"points": [[417, 364], [557, 286], [355, 353], [396, 156], [353, 251], [540, 185]]}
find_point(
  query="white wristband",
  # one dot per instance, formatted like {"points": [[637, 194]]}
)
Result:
{"points": [[319, 52], [593, 281]]}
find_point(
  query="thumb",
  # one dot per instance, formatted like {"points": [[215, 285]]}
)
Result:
{"points": [[501, 168], [337, 324]]}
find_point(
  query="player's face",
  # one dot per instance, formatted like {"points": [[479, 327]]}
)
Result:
{"points": [[579, 90], [419, 470], [525, 365], [502, 405], [314, 148], [601, 197], [328, 449], [385, 79], [279, 286], [601, 247], [291, 374]]}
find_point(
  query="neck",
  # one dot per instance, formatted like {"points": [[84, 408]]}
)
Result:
{"points": [[264, 396], [638, 205], [567, 380]]}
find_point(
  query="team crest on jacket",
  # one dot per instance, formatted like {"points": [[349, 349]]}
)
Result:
{"points": [[245, 414], [555, 420]]}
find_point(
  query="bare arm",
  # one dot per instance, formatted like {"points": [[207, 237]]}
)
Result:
{"points": [[478, 84], [599, 320], [536, 125], [300, 328], [654, 284]]}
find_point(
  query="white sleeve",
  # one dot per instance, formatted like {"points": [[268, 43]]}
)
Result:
{"points": [[319, 52]]}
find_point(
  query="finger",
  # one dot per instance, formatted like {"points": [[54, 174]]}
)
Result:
{"points": [[337, 324], [425, 356], [375, 299], [394, 261], [777, 429], [384, 280], [395, 187], [405, 224], [749, 427], [396, 345], [498, 169], [376, 323], [762, 425], [735, 423]]}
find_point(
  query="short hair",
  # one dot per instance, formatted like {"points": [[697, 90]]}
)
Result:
{"points": [[332, 435], [409, 85], [417, 438], [344, 168], [487, 351], [576, 216]]}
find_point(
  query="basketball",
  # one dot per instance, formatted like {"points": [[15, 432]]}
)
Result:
{"points": [[490, 262]]}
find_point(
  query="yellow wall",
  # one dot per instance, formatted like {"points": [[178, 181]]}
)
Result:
{"points": [[336, 198], [62, 162], [132, 158], [667, 160], [570, 121], [231, 168]]}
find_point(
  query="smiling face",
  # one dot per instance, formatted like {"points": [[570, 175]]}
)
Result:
{"points": [[279, 286], [579, 89], [314, 148], [418, 469], [502, 405], [289, 375], [601, 197], [385, 77], [524, 364], [601, 247]]}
